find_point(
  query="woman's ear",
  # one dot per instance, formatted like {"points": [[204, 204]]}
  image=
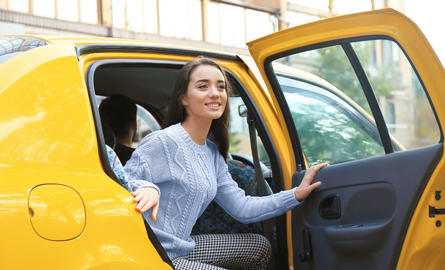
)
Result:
{"points": [[184, 100]]}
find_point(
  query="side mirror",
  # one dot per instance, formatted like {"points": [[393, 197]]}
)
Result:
{"points": [[242, 110]]}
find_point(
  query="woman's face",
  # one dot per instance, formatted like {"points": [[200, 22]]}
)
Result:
{"points": [[206, 96]]}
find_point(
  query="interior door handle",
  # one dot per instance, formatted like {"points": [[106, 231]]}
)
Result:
{"points": [[330, 207]]}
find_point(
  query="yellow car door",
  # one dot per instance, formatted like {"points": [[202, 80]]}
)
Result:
{"points": [[60, 210], [377, 121]]}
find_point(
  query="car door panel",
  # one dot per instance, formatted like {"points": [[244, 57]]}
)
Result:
{"points": [[378, 197], [368, 212], [56, 196]]}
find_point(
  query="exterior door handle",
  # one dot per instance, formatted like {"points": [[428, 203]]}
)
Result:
{"points": [[330, 207]]}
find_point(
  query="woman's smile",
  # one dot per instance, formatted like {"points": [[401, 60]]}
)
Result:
{"points": [[214, 105]]}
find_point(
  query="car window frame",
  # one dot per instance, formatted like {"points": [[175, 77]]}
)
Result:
{"points": [[89, 80], [364, 82], [236, 83]]}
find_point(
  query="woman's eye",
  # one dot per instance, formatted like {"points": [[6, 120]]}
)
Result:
{"points": [[222, 87], [203, 86]]}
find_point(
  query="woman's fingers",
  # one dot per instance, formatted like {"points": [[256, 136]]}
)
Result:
{"points": [[306, 186], [310, 174], [154, 212], [147, 198]]}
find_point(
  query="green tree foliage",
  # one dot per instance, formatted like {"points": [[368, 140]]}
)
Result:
{"points": [[333, 65]]}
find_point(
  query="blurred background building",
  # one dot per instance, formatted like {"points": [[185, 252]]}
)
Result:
{"points": [[214, 24], [224, 25]]}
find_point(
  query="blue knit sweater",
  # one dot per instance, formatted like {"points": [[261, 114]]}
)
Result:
{"points": [[189, 177]]}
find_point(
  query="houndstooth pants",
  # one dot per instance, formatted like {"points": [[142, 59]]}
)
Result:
{"points": [[222, 251]]}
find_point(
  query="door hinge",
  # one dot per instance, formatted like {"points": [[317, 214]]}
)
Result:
{"points": [[433, 211]]}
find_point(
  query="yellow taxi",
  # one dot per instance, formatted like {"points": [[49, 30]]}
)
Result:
{"points": [[362, 92]]}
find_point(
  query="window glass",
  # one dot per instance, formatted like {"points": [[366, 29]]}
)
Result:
{"points": [[195, 20], [146, 125], [232, 26], [317, 4], [213, 22], [150, 10], [335, 124], [145, 120], [258, 24], [332, 65], [119, 15], [44, 8], [68, 10], [347, 6], [135, 20], [330, 111], [405, 107], [330, 128], [88, 11], [19, 5], [180, 19], [239, 133], [11, 46]]}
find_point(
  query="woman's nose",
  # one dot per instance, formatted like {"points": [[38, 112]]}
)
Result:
{"points": [[213, 92]]}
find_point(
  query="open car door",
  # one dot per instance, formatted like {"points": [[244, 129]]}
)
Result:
{"points": [[375, 116]]}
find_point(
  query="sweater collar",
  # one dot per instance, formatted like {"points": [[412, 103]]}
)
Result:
{"points": [[186, 137]]}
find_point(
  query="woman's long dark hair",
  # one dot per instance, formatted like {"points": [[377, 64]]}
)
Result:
{"points": [[219, 130]]}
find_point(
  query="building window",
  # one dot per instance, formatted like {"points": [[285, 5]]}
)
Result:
{"points": [[44, 8], [68, 10], [119, 13], [316, 4], [347, 6], [258, 24], [135, 16], [213, 22], [88, 11], [232, 20], [233, 26], [180, 19], [150, 10], [19, 5], [390, 117]]}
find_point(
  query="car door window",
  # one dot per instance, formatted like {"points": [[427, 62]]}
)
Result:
{"points": [[239, 133], [332, 112], [146, 122], [330, 129], [404, 104]]}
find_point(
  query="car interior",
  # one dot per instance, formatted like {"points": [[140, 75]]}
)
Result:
{"points": [[149, 84]]}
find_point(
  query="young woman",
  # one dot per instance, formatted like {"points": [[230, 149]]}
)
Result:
{"points": [[183, 171]]}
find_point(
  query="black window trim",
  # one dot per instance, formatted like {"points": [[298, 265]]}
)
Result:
{"points": [[370, 96]]}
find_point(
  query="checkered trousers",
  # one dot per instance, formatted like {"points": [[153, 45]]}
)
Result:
{"points": [[221, 251]]}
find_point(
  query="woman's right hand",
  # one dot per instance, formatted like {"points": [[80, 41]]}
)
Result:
{"points": [[147, 198]]}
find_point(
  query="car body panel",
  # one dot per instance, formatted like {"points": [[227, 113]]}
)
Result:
{"points": [[52, 95], [423, 236], [50, 99]]}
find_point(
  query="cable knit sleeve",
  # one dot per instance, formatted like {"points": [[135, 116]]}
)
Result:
{"points": [[139, 168], [247, 209]]}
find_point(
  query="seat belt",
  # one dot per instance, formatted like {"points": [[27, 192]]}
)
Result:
{"points": [[262, 189]]}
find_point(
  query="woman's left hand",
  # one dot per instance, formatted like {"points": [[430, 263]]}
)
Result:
{"points": [[306, 186]]}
